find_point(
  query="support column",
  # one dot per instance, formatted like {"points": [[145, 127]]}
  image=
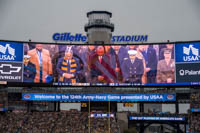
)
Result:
{"points": [[141, 111], [177, 112]]}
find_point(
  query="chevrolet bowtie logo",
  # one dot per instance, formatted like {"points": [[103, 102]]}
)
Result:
{"points": [[12, 69]]}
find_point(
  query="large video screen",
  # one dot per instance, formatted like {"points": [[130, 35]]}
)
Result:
{"points": [[100, 65]]}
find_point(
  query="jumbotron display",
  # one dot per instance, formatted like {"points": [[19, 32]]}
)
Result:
{"points": [[95, 65]]}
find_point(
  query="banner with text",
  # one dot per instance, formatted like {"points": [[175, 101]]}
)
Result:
{"points": [[97, 97]]}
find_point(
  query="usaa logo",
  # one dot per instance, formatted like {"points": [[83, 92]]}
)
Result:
{"points": [[192, 53], [7, 52]]}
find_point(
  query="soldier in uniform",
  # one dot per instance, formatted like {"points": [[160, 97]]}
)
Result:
{"points": [[165, 69], [133, 68], [68, 68], [29, 70], [168, 46]]}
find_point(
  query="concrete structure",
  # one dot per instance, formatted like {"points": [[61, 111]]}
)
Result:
{"points": [[99, 28]]}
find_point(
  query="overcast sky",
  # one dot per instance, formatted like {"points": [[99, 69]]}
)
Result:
{"points": [[162, 20]]}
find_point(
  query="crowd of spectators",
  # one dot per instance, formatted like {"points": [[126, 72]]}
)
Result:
{"points": [[195, 123], [195, 100], [71, 122], [3, 99], [195, 116], [100, 125], [54, 122], [38, 122], [11, 122]]}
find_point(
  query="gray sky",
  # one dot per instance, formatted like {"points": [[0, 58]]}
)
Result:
{"points": [[162, 20]]}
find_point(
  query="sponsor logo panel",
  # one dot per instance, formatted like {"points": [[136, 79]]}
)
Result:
{"points": [[187, 52], [11, 51], [11, 72], [187, 72]]}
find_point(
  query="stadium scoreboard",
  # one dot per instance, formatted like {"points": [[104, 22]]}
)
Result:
{"points": [[29, 63]]}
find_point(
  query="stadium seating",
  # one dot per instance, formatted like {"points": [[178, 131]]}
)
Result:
{"points": [[195, 124], [195, 100], [54, 122], [195, 117]]}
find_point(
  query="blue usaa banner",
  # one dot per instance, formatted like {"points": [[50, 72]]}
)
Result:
{"points": [[97, 97], [187, 52], [11, 51]]}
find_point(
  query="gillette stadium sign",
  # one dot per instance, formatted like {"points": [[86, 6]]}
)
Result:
{"points": [[68, 37], [78, 37]]}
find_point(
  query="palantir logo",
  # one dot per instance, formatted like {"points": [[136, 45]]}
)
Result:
{"points": [[189, 72], [4, 49], [11, 69], [191, 52], [181, 72]]}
